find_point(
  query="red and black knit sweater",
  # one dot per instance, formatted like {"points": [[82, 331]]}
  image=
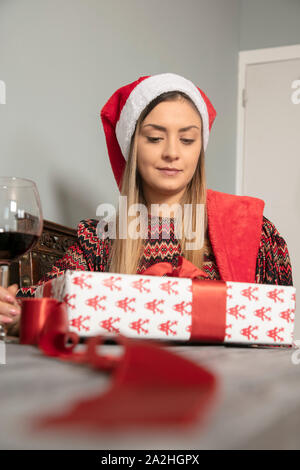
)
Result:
{"points": [[90, 253]]}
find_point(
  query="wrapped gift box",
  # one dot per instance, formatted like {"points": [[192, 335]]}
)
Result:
{"points": [[157, 307]]}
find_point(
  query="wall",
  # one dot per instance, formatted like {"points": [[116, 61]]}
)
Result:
{"points": [[269, 23], [62, 60]]}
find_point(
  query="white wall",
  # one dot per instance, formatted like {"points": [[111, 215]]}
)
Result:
{"points": [[62, 59], [269, 23]]}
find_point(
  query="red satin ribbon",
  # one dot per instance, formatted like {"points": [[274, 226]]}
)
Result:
{"points": [[184, 269], [34, 315], [151, 385], [209, 311], [209, 299], [44, 323]]}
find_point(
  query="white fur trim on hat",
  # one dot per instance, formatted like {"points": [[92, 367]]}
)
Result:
{"points": [[144, 93]]}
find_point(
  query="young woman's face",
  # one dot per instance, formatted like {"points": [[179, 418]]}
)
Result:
{"points": [[164, 142]]}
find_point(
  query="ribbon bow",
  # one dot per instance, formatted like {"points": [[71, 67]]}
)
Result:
{"points": [[184, 269]]}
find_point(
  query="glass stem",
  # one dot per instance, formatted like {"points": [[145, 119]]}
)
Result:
{"points": [[4, 275]]}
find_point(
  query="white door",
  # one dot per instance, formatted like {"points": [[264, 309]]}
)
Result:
{"points": [[269, 151]]}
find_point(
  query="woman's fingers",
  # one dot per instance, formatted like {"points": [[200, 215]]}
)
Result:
{"points": [[9, 310], [4, 319], [9, 307], [9, 295], [13, 289]]}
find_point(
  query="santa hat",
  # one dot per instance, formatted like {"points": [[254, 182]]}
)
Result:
{"points": [[121, 112]]}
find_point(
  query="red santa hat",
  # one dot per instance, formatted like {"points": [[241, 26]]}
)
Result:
{"points": [[121, 112]]}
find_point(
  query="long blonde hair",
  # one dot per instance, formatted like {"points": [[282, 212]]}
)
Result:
{"points": [[125, 253]]}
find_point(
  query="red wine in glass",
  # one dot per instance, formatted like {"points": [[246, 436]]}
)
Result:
{"points": [[15, 244]]}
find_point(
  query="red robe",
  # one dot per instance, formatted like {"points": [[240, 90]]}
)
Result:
{"points": [[234, 226]]}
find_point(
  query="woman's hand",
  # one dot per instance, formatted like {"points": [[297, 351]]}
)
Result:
{"points": [[10, 309]]}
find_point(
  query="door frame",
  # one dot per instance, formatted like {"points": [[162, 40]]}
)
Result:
{"points": [[246, 58]]}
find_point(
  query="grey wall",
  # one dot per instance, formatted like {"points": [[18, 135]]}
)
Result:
{"points": [[269, 23], [62, 59]]}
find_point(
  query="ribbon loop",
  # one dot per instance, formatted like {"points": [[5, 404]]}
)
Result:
{"points": [[184, 269]]}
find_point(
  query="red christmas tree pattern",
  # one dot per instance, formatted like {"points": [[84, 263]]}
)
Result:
{"points": [[168, 287], [182, 308], [153, 306], [78, 323], [273, 294], [67, 299], [227, 335], [166, 327], [235, 311], [261, 313], [287, 315], [140, 285], [249, 293], [274, 334], [124, 304], [81, 281], [248, 332], [111, 283], [138, 326], [228, 286], [94, 302], [108, 324]]}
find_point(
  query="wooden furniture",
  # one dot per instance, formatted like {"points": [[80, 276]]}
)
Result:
{"points": [[52, 245]]}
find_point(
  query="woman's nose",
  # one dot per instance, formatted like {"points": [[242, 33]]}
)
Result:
{"points": [[171, 150]]}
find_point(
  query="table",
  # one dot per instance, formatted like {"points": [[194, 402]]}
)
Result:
{"points": [[258, 405]]}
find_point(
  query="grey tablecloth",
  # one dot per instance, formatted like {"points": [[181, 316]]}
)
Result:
{"points": [[258, 404]]}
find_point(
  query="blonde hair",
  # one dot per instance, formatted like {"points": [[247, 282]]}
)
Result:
{"points": [[125, 254]]}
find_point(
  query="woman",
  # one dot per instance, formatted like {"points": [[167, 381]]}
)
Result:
{"points": [[152, 126]]}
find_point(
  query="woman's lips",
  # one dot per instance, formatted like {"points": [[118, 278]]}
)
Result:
{"points": [[169, 172]]}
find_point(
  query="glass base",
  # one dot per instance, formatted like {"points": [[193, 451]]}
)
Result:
{"points": [[12, 339]]}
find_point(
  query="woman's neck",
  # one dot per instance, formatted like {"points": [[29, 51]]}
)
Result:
{"points": [[164, 209]]}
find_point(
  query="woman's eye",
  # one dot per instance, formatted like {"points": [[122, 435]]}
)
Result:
{"points": [[187, 141], [156, 139], [153, 139]]}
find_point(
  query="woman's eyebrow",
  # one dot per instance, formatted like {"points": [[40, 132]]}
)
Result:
{"points": [[161, 128]]}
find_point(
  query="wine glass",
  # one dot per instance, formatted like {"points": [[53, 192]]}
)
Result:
{"points": [[21, 223]]}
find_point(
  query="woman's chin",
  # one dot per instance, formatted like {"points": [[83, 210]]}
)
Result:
{"points": [[168, 189]]}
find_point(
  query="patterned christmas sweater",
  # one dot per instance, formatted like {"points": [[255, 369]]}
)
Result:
{"points": [[90, 253]]}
